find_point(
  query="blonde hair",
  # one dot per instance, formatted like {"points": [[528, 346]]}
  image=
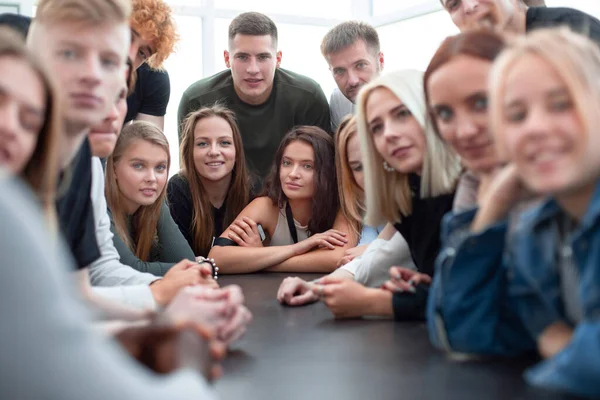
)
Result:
{"points": [[203, 223], [92, 11], [41, 171], [574, 57], [352, 202], [145, 220], [388, 193]]}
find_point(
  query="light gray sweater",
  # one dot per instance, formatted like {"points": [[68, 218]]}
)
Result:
{"points": [[47, 345], [109, 277]]}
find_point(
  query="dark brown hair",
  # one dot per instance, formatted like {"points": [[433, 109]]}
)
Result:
{"points": [[325, 202], [482, 44], [253, 24], [239, 190], [346, 34]]}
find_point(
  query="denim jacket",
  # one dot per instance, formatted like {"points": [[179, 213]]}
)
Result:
{"points": [[495, 293]]}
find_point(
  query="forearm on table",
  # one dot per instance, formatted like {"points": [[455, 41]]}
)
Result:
{"points": [[239, 260], [321, 260]]}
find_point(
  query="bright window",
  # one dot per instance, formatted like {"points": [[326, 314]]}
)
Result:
{"points": [[340, 9], [412, 43], [185, 68]]}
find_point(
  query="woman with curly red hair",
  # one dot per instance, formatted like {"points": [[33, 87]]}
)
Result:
{"points": [[153, 38]]}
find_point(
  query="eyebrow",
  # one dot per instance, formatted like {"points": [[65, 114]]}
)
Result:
{"points": [[207, 138], [557, 92], [30, 108], [294, 159]]}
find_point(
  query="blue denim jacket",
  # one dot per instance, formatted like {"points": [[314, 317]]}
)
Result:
{"points": [[495, 293]]}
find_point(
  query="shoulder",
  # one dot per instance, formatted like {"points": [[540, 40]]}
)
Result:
{"points": [[178, 188], [579, 21], [179, 181], [209, 87], [297, 82], [149, 77]]}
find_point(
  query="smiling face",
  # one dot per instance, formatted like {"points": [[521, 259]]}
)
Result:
{"points": [[89, 62], [297, 171], [253, 60], [214, 149], [355, 160], [22, 108], [141, 174], [396, 133], [458, 97], [475, 14], [353, 67], [542, 131]]}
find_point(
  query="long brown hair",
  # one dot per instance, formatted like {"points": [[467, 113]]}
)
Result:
{"points": [[326, 201], [483, 44], [145, 219], [203, 223], [352, 197], [41, 171]]}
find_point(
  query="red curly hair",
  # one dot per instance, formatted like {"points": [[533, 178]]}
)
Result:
{"points": [[153, 20]]}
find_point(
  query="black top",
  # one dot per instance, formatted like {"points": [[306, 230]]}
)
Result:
{"points": [[421, 229], [75, 209], [151, 94], [295, 100], [578, 21], [182, 209]]}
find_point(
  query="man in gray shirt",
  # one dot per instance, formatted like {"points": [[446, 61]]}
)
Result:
{"points": [[352, 51]]}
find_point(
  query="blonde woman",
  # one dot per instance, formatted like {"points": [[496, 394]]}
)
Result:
{"points": [[295, 291], [146, 237], [410, 180], [536, 288]]}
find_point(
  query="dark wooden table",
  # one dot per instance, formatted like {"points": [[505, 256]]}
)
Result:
{"points": [[303, 353]]}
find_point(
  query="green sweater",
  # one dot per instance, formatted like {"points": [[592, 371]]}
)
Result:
{"points": [[295, 100], [168, 251]]}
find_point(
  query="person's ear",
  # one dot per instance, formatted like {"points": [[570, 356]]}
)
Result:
{"points": [[381, 60], [279, 55], [226, 58]]}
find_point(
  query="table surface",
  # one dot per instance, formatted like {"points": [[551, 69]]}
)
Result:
{"points": [[304, 353]]}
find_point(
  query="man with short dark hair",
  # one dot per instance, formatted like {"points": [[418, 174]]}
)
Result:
{"points": [[352, 51], [518, 16], [267, 100]]}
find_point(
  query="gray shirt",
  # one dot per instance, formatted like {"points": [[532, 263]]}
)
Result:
{"points": [[47, 345], [109, 277], [339, 107]]}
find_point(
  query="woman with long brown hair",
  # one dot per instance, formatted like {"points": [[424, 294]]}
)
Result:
{"points": [[213, 185], [299, 212], [136, 176]]}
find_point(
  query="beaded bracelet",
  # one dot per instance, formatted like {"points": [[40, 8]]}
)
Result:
{"points": [[213, 264]]}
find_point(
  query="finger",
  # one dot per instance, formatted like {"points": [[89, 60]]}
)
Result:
{"points": [[336, 231], [305, 298], [390, 286], [336, 241], [324, 243], [338, 236], [216, 372], [327, 280], [253, 225], [244, 225], [218, 349], [240, 231], [237, 239]]}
